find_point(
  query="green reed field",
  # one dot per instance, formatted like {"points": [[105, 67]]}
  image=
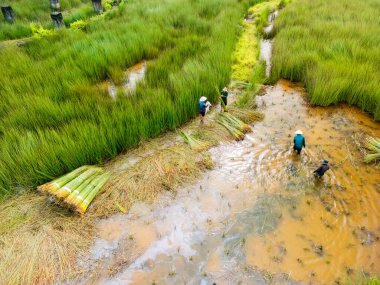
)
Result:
{"points": [[29, 13], [333, 48], [54, 118]]}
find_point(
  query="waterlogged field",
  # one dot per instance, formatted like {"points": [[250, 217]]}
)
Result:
{"points": [[54, 117], [333, 48]]}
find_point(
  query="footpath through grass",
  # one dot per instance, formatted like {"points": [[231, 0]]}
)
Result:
{"points": [[333, 48], [54, 119]]}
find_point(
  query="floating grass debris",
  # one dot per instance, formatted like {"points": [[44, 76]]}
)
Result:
{"points": [[77, 189], [234, 126], [373, 146]]}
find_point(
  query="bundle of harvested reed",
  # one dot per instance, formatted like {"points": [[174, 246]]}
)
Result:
{"points": [[78, 188], [235, 127], [246, 115], [193, 142], [373, 145]]}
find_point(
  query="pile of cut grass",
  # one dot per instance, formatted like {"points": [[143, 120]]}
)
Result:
{"points": [[53, 118], [333, 48]]}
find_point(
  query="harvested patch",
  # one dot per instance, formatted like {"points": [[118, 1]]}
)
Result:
{"points": [[233, 125], [40, 242], [193, 142], [164, 170], [246, 115]]}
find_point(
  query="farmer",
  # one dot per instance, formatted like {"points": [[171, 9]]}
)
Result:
{"points": [[322, 169], [224, 95], [299, 142], [202, 108]]}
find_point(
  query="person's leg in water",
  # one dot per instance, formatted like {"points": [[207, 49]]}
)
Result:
{"points": [[297, 149]]}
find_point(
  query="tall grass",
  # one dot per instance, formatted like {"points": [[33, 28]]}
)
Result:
{"points": [[54, 119], [333, 48], [37, 12]]}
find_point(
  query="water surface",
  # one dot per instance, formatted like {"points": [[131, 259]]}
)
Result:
{"points": [[260, 216]]}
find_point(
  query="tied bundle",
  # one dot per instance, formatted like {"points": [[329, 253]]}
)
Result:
{"points": [[373, 147], [193, 142], [234, 126], [77, 189]]}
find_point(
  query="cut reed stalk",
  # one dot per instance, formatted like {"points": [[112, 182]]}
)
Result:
{"points": [[56, 184], [87, 201], [75, 183], [373, 146]]}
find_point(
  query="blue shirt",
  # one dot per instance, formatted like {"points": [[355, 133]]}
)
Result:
{"points": [[299, 141], [202, 107]]}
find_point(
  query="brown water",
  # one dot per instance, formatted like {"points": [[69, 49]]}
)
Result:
{"points": [[260, 217]]}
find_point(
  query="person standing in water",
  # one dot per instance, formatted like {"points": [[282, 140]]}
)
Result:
{"points": [[322, 169], [299, 142], [202, 108], [224, 95]]}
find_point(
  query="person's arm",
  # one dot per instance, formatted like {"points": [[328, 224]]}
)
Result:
{"points": [[304, 142], [294, 140]]}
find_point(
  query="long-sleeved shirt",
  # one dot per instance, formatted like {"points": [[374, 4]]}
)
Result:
{"points": [[322, 169], [224, 93], [299, 141]]}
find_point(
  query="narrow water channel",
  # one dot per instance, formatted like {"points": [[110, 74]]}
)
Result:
{"points": [[260, 215]]}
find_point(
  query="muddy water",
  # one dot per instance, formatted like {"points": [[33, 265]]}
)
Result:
{"points": [[266, 44], [260, 217], [131, 78]]}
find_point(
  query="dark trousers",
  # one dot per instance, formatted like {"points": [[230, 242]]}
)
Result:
{"points": [[224, 100], [297, 149]]}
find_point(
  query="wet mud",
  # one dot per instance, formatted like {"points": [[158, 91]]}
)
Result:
{"points": [[260, 217]]}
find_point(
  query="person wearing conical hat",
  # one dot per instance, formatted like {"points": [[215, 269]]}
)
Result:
{"points": [[322, 169], [202, 108], [224, 95], [299, 141]]}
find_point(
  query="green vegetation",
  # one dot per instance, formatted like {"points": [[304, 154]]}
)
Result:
{"points": [[247, 50], [373, 147], [333, 48], [29, 13], [54, 118]]}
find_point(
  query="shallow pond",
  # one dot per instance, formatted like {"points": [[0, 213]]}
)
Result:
{"points": [[260, 217]]}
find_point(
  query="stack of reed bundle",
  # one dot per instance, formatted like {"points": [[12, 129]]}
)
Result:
{"points": [[77, 189], [234, 126]]}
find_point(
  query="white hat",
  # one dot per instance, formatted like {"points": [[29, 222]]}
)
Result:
{"points": [[299, 132], [203, 98], [225, 89]]}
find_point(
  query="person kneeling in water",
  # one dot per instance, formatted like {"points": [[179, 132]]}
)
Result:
{"points": [[322, 169]]}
